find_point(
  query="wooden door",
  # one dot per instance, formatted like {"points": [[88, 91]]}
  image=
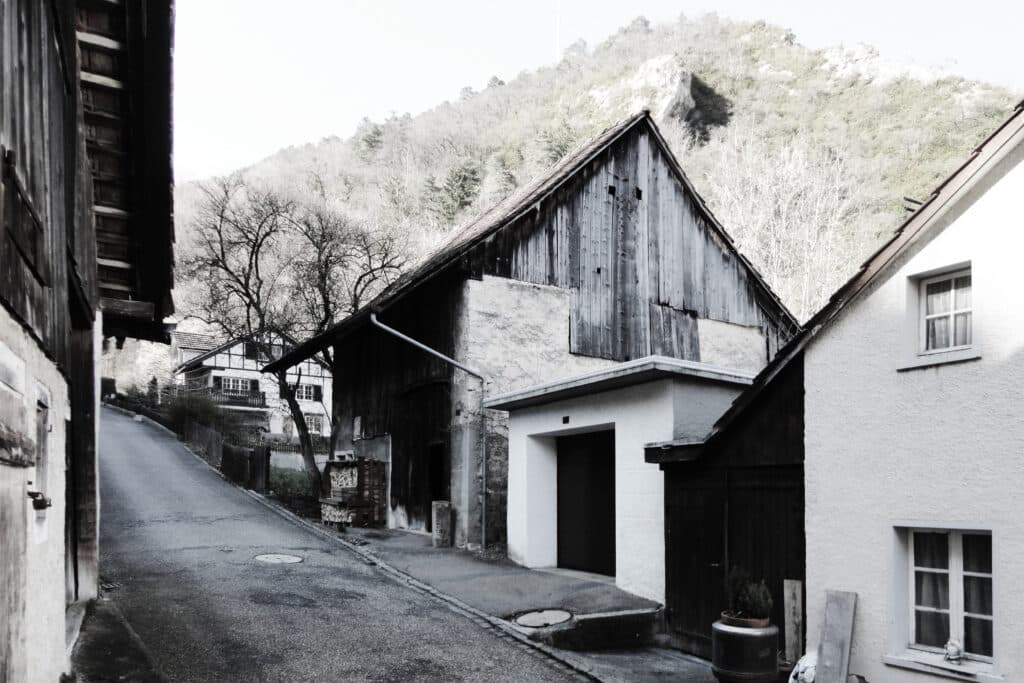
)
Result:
{"points": [[695, 561], [586, 502]]}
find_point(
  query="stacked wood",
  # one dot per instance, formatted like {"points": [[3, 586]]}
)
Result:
{"points": [[358, 490]]}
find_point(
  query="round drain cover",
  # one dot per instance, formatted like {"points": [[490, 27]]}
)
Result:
{"points": [[542, 618], [278, 558]]}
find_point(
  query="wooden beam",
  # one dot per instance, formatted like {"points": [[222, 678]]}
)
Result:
{"points": [[127, 309]]}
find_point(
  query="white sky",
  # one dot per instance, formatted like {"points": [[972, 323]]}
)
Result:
{"points": [[253, 76]]}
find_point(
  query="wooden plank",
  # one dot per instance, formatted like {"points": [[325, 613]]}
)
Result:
{"points": [[128, 309], [836, 637], [793, 604]]}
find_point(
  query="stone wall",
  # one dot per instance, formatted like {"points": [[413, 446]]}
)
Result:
{"points": [[517, 335], [32, 571]]}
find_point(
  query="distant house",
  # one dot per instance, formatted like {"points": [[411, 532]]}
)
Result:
{"points": [[229, 374], [610, 257], [900, 407], [86, 252]]}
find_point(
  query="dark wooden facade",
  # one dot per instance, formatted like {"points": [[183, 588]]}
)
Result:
{"points": [[735, 501], [125, 84], [639, 254], [396, 389]]}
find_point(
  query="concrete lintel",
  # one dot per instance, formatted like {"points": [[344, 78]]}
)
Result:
{"points": [[633, 372]]}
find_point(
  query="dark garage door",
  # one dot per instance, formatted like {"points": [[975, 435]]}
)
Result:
{"points": [[586, 502]]}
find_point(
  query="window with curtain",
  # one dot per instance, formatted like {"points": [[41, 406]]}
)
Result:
{"points": [[951, 597], [946, 315]]}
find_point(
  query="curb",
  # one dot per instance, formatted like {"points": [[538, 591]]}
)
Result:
{"points": [[477, 616]]}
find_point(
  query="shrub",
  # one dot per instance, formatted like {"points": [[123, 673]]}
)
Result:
{"points": [[748, 598]]}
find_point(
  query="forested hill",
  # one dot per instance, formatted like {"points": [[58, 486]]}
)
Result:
{"points": [[804, 155]]}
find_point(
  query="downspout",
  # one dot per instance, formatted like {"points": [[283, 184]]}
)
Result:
{"points": [[483, 423]]}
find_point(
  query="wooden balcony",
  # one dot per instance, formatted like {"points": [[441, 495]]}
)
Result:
{"points": [[252, 399]]}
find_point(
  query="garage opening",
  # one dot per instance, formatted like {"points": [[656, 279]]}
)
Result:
{"points": [[586, 502]]}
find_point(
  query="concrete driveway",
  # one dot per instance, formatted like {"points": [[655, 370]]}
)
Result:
{"points": [[178, 549]]}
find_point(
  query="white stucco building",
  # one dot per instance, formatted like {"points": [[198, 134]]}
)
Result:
{"points": [[229, 373], [580, 494], [914, 437]]}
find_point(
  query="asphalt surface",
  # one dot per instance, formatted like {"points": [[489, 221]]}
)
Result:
{"points": [[177, 557]]}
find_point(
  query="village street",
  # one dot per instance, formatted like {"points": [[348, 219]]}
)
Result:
{"points": [[178, 559]]}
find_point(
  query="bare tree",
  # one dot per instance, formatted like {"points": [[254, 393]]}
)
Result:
{"points": [[258, 253]]}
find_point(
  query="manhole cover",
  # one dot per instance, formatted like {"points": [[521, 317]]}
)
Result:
{"points": [[542, 618], [278, 558]]}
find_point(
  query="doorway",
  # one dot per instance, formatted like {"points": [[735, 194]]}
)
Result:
{"points": [[586, 502]]}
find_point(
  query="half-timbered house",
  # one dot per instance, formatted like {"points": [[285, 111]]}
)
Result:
{"points": [[611, 256], [229, 375], [78, 81]]}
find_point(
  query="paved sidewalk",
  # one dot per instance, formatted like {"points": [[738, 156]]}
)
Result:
{"points": [[502, 589], [109, 650], [498, 587]]}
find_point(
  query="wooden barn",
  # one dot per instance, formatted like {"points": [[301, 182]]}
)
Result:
{"points": [[85, 105], [609, 257]]}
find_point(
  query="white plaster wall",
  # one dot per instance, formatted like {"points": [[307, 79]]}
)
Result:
{"points": [[654, 411], [941, 446], [27, 374], [639, 415], [727, 345]]}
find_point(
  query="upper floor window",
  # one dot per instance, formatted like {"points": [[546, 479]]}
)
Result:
{"points": [[235, 385], [946, 312], [308, 392]]}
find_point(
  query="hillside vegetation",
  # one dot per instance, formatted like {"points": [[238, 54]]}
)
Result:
{"points": [[803, 155]]}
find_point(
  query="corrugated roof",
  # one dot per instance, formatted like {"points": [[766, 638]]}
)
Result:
{"points": [[935, 214], [192, 340], [463, 238]]}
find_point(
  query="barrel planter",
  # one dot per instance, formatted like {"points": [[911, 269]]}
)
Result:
{"points": [[744, 650]]}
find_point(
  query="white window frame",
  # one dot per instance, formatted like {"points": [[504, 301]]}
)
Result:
{"points": [[319, 420], [956, 573], [228, 385], [923, 316], [305, 392]]}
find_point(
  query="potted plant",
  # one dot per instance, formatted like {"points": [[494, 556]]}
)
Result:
{"points": [[744, 644]]}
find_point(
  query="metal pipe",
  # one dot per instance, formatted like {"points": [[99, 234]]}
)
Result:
{"points": [[483, 424]]}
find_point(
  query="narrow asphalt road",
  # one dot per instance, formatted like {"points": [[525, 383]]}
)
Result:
{"points": [[178, 544]]}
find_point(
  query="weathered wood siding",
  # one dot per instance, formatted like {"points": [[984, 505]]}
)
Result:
{"points": [[42, 204], [641, 260], [394, 388], [741, 504]]}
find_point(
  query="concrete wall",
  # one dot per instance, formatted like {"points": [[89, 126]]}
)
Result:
{"points": [[940, 446], [727, 345], [654, 411], [26, 378]]}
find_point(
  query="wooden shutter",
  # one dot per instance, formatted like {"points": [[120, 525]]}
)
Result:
{"points": [[254, 386], [318, 392], [218, 383]]}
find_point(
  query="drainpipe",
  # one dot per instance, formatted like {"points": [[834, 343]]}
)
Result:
{"points": [[483, 424]]}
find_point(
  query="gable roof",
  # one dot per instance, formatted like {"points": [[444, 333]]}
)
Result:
{"points": [[467, 236], [193, 363], [945, 204], [193, 340]]}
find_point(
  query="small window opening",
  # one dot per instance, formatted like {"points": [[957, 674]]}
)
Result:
{"points": [[565, 419], [639, 194], [611, 190]]}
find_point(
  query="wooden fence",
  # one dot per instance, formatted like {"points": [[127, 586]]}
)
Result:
{"points": [[248, 467]]}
